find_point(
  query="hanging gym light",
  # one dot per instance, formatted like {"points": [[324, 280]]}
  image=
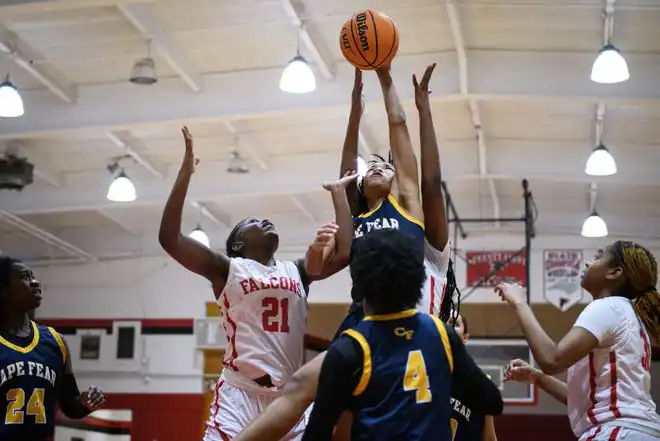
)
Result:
{"points": [[200, 236], [609, 67], [594, 226], [11, 103], [600, 162], [298, 77]]}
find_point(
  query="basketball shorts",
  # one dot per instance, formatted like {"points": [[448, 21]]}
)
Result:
{"points": [[233, 408], [353, 318], [617, 433]]}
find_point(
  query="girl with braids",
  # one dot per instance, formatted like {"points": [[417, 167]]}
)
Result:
{"points": [[607, 352], [263, 301], [35, 363], [387, 197]]}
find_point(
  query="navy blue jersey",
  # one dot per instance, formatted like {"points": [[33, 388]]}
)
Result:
{"points": [[467, 420], [29, 370], [388, 214], [405, 388]]}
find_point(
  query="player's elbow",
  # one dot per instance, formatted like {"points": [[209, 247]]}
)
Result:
{"points": [[550, 367], [300, 387]]}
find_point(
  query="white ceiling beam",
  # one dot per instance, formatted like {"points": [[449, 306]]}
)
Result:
{"points": [[24, 56], [112, 217], [130, 145], [142, 17], [43, 168], [44, 236], [295, 10], [473, 105], [248, 146], [223, 219], [29, 7], [494, 75], [292, 175], [303, 209]]}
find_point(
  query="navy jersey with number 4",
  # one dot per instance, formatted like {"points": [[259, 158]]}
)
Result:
{"points": [[29, 369], [406, 380]]}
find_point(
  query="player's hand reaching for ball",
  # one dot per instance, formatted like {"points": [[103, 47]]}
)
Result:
{"points": [[341, 183], [422, 91], [513, 294], [93, 398], [522, 372], [357, 97], [189, 160]]}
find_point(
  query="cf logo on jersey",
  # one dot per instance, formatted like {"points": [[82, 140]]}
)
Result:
{"points": [[403, 332]]}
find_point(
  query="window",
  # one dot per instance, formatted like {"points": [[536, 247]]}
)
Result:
{"points": [[90, 347], [126, 343]]}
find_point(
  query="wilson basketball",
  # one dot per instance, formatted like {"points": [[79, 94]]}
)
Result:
{"points": [[369, 40]]}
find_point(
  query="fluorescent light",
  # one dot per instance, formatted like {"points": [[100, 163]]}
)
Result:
{"points": [[200, 236], [600, 162], [298, 77], [121, 189], [609, 67], [11, 103], [594, 226]]}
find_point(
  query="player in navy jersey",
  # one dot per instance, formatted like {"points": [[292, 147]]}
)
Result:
{"points": [[394, 371], [35, 365], [469, 422]]}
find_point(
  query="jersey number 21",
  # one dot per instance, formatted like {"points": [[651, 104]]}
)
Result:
{"points": [[416, 378]]}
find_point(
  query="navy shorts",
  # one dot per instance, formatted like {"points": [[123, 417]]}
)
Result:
{"points": [[354, 316]]}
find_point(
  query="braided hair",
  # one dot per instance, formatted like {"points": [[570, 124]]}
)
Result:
{"points": [[640, 270], [362, 205], [231, 241], [450, 308]]}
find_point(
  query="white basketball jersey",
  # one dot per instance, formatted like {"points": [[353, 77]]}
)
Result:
{"points": [[264, 313], [613, 383], [436, 263]]}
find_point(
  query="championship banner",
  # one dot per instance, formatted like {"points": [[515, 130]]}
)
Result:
{"points": [[489, 268], [561, 278]]}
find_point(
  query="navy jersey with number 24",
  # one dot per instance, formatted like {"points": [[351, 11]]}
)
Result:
{"points": [[406, 380], [29, 369]]}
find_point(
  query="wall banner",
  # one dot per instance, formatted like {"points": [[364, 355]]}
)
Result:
{"points": [[562, 278], [489, 268]]}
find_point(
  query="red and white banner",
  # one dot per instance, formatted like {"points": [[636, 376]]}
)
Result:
{"points": [[488, 268], [561, 278]]}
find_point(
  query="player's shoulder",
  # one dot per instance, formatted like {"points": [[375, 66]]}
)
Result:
{"points": [[606, 307]]}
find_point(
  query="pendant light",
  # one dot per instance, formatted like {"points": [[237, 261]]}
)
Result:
{"points": [[11, 103], [298, 77], [610, 67], [600, 162], [200, 236], [121, 189], [594, 226]]}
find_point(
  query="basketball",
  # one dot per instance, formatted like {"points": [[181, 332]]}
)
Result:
{"points": [[369, 40]]}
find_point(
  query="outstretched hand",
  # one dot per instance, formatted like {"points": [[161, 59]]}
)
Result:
{"points": [[342, 183], [325, 235], [422, 91], [511, 293], [189, 160], [357, 97], [93, 398]]}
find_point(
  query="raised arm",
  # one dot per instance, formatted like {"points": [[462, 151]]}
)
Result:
{"points": [[349, 151], [331, 250], [433, 201], [406, 179], [188, 252]]}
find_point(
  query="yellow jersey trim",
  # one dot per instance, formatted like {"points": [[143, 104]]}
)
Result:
{"points": [[26, 349], [397, 207], [403, 212], [366, 362], [445, 341], [60, 342], [394, 316]]}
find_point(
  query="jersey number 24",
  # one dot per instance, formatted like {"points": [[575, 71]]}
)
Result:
{"points": [[16, 408], [275, 316]]}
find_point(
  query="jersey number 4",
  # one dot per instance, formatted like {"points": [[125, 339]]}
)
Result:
{"points": [[16, 408], [275, 317], [416, 378]]}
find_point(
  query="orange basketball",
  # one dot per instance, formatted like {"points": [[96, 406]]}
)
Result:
{"points": [[369, 40]]}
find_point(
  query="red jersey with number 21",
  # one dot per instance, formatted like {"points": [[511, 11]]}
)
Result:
{"points": [[264, 314]]}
